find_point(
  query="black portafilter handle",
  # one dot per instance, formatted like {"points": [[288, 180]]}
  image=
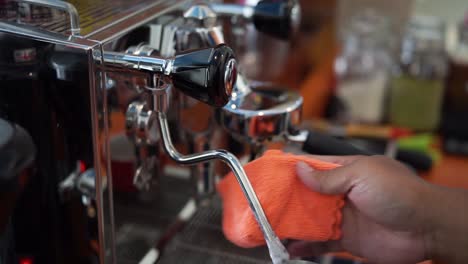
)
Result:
{"points": [[17, 152], [277, 18], [323, 144], [208, 75]]}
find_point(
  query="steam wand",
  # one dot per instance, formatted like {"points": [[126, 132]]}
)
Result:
{"points": [[277, 250]]}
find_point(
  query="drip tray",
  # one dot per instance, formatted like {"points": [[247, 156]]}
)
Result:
{"points": [[202, 241], [143, 225], [141, 220], [133, 242]]}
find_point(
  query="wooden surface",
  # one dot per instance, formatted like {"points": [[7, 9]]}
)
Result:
{"points": [[452, 171]]}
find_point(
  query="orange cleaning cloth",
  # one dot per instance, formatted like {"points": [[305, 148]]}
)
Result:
{"points": [[293, 210]]}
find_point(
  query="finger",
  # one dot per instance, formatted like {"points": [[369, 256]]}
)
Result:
{"points": [[311, 249], [341, 160], [336, 181]]}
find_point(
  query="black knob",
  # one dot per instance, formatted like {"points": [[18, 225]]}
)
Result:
{"points": [[278, 18], [207, 75]]}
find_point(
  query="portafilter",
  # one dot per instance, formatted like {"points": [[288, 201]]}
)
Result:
{"points": [[259, 114]]}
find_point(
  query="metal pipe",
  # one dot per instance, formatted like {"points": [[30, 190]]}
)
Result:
{"points": [[277, 250], [233, 10], [203, 174], [136, 62]]}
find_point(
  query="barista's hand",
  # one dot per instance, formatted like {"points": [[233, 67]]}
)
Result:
{"points": [[387, 217]]}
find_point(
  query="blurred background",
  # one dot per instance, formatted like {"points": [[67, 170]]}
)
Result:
{"points": [[370, 67], [391, 76]]}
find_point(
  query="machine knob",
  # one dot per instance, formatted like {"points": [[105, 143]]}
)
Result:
{"points": [[279, 19], [208, 75], [138, 123], [85, 183]]}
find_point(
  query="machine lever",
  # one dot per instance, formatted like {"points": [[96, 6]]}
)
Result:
{"points": [[206, 74]]}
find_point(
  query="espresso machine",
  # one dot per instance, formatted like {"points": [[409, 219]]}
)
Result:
{"points": [[106, 90]]}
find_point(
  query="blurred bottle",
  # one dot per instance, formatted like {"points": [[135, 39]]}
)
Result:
{"points": [[309, 66], [363, 67], [454, 127], [417, 86], [456, 99]]}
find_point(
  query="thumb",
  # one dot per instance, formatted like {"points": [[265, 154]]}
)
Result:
{"points": [[336, 181]]}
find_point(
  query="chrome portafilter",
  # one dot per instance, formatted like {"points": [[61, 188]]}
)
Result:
{"points": [[258, 114]]}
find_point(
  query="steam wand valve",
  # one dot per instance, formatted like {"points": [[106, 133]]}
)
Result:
{"points": [[207, 75]]}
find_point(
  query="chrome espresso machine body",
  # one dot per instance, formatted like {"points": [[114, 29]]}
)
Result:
{"points": [[90, 82]]}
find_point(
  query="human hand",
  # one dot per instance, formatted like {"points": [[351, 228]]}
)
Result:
{"points": [[387, 216]]}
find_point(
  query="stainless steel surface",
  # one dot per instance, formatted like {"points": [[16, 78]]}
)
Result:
{"points": [[249, 13], [204, 173], [277, 251], [200, 15], [138, 123], [65, 130], [63, 6], [135, 62], [46, 36], [233, 10], [200, 29], [141, 49], [101, 21], [260, 114], [75, 122]]}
